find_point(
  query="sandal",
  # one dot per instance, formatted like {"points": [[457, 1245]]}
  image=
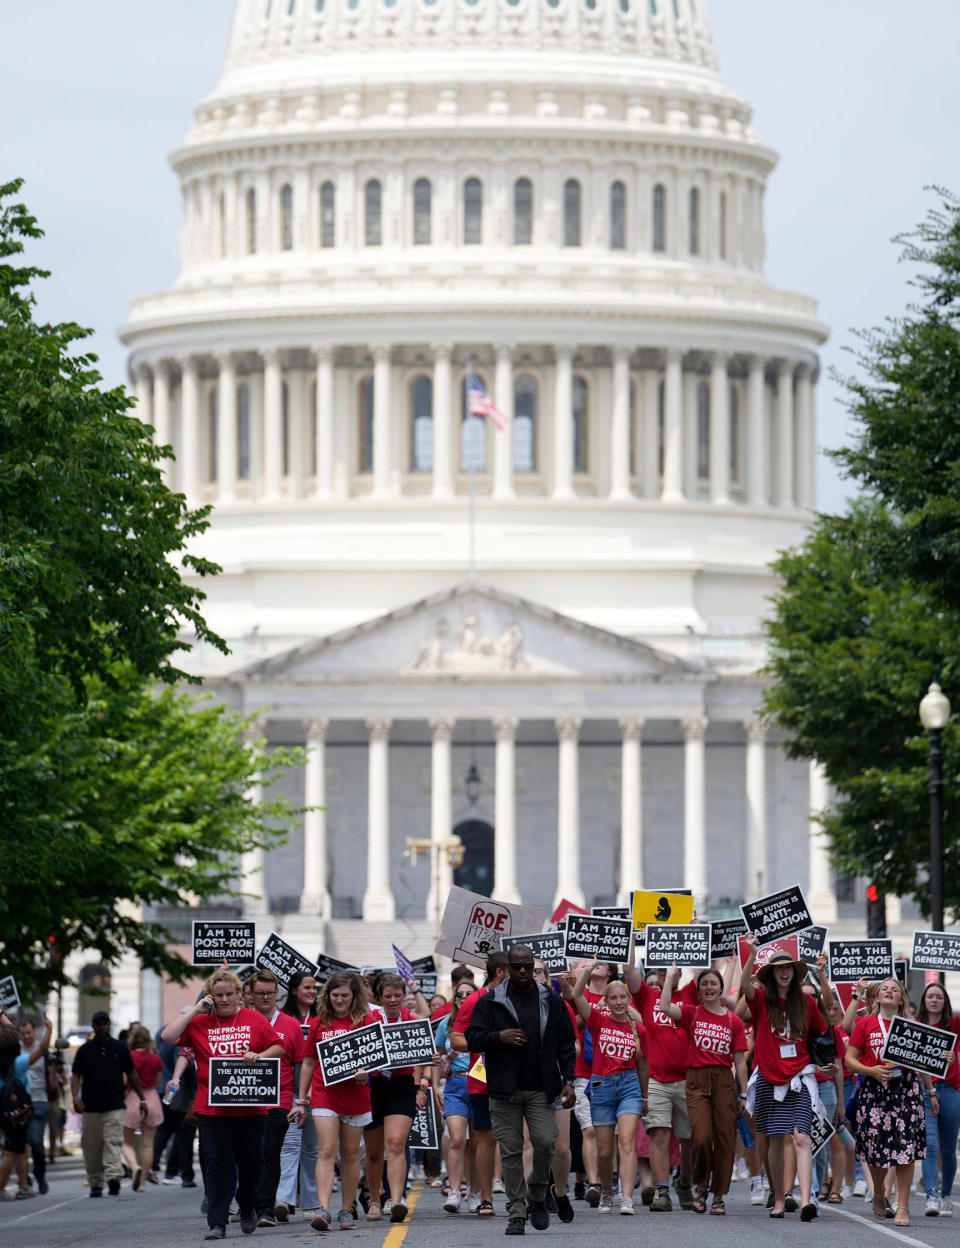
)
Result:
{"points": [[699, 1204], [374, 1211], [902, 1218], [879, 1209], [834, 1198], [485, 1209], [718, 1206]]}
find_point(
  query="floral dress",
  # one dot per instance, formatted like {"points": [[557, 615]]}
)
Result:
{"points": [[890, 1124]]}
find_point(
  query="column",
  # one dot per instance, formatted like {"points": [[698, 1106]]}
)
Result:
{"points": [[505, 812], [694, 810], [806, 439], [672, 486], [756, 435], [296, 429], [253, 861], [272, 424], [189, 448], [143, 393], [315, 898], [631, 809], [650, 453], [783, 491], [620, 466], [719, 431], [442, 422], [503, 440], [757, 874], [226, 429], [378, 905], [568, 813], [563, 423], [161, 407], [324, 422], [441, 811], [256, 383], [381, 422], [821, 895]]}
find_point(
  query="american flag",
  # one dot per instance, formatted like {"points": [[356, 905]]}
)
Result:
{"points": [[479, 402]]}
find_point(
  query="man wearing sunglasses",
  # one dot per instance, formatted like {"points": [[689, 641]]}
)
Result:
{"points": [[525, 1033]]}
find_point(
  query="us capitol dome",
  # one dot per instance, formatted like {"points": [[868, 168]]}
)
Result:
{"points": [[545, 640]]}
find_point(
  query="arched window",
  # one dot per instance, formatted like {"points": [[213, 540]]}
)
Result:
{"points": [[475, 873], [659, 217], [571, 213], [525, 423], [421, 212], [723, 225], [618, 216], [421, 424], [213, 404], [285, 428], [243, 431], [694, 221], [734, 433], [523, 212], [581, 401], [372, 233], [251, 221], [365, 425], [472, 211], [703, 430], [473, 435], [286, 218], [222, 213], [328, 215]]}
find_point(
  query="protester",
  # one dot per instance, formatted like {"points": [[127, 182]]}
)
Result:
{"points": [[453, 1101], [942, 1127], [597, 986], [558, 1201], [149, 1068], [99, 1094], [15, 1066], [830, 1086], [36, 1085], [527, 1039], [231, 1138], [298, 1157]]}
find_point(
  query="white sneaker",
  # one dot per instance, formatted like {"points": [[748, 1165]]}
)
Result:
{"points": [[606, 1204], [932, 1209], [846, 1191], [756, 1195], [309, 1214], [473, 1202], [946, 1207], [626, 1206], [498, 1187], [452, 1203], [859, 1188]]}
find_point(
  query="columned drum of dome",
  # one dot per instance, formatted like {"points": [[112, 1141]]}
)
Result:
{"points": [[565, 197]]}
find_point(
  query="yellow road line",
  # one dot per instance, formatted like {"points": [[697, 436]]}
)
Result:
{"points": [[397, 1233]]}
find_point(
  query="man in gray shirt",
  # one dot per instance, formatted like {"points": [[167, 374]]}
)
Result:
{"points": [[36, 1081]]}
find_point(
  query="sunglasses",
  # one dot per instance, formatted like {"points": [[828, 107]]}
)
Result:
{"points": [[520, 966]]}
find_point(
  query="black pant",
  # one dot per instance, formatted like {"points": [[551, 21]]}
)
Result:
{"points": [[273, 1137], [166, 1132], [180, 1157], [231, 1147]]}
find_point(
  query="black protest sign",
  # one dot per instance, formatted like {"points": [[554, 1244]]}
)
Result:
{"points": [[219, 940], [549, 947], [936, 951], [425, 974], [779, 914], [409, 1043], [248, 1085], [724, 934], [687, 944], [425, 1133], [822, 1131], [9, 997], [607, 940], [327, 966], [810, 943], [281, 958], [901, 969], [343, 1054], [851, 960], [610, 912], [915, 1046]]}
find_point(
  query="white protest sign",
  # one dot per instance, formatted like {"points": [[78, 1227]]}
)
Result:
{"points": [[472, 925]]}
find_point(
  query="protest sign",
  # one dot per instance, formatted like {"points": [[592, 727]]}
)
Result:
{"points": [[343, 1054], [424, 1133], [610, 912], [327, 966], [472, 925], [788, 945], [425, 974], [9, 997], [822, 1131], [935, 951], [562, 909], [549, 947], [901, 968], [281, 958], [778, 914], [687, 944], [723, 937], [851, 960], [403, 964], [810, 943], [253, 1085], [607, 940], [478, 1070], [409, 1042], [915, 1046], [653, 906], [217, 939]]}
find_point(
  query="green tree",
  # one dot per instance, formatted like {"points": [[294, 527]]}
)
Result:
{"points": [[869, 606]]}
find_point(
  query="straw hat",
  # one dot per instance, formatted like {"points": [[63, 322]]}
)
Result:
{"points": [[782, 959]]}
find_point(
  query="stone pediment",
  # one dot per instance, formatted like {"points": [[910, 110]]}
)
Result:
{"points": [[469, 633]]}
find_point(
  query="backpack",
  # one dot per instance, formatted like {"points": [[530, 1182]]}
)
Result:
{"points": [[16, 1104]]}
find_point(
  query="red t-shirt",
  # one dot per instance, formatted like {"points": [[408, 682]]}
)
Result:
{"points": [[841, 1038], [210, 1036], [440, 1012], [288, 1029], [714, 1038], [461, 1023], [665, 1042], [582, 1068], [613, 1044], [780, 1057], [868, 1036], [347, 1097], [404, 1016], [953, 1070], [147, 1065]]}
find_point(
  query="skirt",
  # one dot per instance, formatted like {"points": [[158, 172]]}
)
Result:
{"points": [[773, 1117], [890, 1123], [131, 1117]]}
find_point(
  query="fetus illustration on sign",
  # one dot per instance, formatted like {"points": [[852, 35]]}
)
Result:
{"points": [[663, 910]]}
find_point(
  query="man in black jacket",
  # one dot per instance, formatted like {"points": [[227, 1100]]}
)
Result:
{"points": [[524, 1031]]}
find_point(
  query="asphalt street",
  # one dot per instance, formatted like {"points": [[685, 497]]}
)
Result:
{"points": [[168, 1217]]}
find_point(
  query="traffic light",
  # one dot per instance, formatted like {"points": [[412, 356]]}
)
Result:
{"points": [[876, 913]]}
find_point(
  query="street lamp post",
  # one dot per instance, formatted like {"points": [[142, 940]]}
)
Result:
{"points": [[934, 713]]}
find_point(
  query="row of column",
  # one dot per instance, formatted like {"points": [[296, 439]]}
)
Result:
{"points": [[793, 426], [378, 899]]}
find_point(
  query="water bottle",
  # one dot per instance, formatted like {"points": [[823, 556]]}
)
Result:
{"points": [[171, 1092]]}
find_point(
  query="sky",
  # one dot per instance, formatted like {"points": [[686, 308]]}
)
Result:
{"points": [[861, 98]]}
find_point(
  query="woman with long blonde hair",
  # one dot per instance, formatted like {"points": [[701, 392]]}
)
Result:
{"points": [[149, 1067]]}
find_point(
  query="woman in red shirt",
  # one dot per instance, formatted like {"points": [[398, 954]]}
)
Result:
{"points": [[943, 1123], [890, 1128], [784, 1020], [342, 1110], [148, 1067]]}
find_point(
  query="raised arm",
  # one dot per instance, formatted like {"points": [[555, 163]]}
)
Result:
{"points": [[44, 1044], [174, 1030], [747, 982], [580, 1002], [423, 1007], [850, 1013], [826, 988], [666, 994]]}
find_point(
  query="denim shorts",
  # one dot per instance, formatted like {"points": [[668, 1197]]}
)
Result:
{"points": [[455, 1097], [613, 1095]]}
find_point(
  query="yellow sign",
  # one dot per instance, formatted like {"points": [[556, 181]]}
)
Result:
{"points": [[478, 1071], [649, 906]]}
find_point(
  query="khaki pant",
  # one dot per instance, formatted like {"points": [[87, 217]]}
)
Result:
{"points": [[101, 1139], [712, 1106], [508, 1117]]}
